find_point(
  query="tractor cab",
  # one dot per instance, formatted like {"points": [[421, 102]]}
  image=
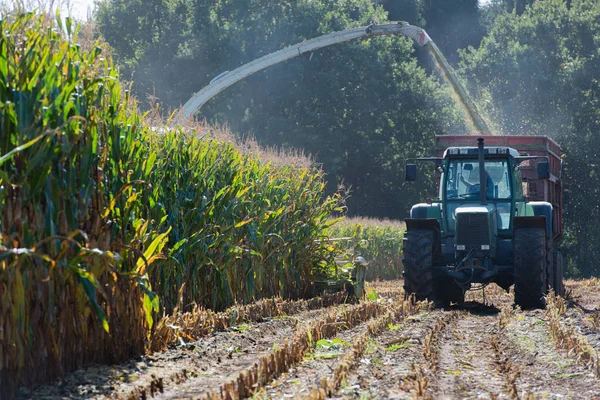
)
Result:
{"points": [[460, 184]]}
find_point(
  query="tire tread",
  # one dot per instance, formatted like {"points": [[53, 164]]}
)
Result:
{"points": [[418, 257], [530, 267]]}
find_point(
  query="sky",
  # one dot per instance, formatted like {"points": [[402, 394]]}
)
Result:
{"points": [[79, 8]]}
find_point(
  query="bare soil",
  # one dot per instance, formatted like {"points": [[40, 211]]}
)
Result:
{"points": [[466, 360], [316, 365], [543, 370], [474, 350], [385, 369]]}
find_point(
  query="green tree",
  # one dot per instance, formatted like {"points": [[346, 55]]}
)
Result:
{"points": [[361, 108], [517, 6], [453, 24], [494, 8], [539, 73], [405, 10]]}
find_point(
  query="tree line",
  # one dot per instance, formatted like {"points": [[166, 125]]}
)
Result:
{"points": [[362, 108]]}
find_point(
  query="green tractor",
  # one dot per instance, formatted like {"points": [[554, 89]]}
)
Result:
{"points": [[498, 220]]}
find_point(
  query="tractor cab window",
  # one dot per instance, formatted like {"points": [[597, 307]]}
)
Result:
{"points": [[520, 186], [463, 180]]}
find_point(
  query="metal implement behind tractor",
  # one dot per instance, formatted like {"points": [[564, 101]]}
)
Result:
{"points": [[498, 219]]}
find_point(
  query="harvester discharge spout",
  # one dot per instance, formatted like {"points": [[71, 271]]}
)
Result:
{"points": [[224, 80]]}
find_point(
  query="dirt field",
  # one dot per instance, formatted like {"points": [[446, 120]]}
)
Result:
{"points": [[388, 349]]}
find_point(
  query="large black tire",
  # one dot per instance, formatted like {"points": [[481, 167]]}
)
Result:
{"points": [[559, 286], [418, 257], [447, 291], [530, 267]]}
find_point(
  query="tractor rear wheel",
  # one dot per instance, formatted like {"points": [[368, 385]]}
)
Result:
{"points": [[418, 257], [530, 267]]}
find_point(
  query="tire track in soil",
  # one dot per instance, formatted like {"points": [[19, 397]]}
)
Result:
{"points": [[466, 361], [467, 364], [385, 368], [149, 375], [226, 379], [322, 362], [545, 370], [318, 364], [204, 359], [222, 357]]}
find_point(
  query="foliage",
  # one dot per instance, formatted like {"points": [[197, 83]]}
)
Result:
{"points": [[95, 205], [360, 108], [538, 73], [405, 10], [453, 24], [69, 252], [379, 242], [241, 229], [495, 8], [331, 344]]}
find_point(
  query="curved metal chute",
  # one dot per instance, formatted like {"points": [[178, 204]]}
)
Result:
{"points": [[226, 79]]}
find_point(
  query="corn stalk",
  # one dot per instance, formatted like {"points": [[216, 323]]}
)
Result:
{"points": [[102, 216]]}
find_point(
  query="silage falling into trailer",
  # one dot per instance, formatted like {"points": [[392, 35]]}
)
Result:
{"points": [[473, 118]]}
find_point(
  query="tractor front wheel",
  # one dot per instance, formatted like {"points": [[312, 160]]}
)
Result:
{"points": [[530, 267], [418, 256]]}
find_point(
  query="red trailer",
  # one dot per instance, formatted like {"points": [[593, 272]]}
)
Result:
{"points": [[549, 190]]}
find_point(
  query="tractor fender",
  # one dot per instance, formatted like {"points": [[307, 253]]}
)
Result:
{"points": [[530, 222], [423, 223], [543, 209], [424, 210]]}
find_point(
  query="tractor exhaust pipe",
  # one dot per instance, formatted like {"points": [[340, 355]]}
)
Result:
{"points": [[482, 174]]}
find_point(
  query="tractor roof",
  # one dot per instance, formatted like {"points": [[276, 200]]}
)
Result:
{"points": [[474, 151]]}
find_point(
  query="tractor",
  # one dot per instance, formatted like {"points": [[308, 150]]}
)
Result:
{"points": [[498, 220]]}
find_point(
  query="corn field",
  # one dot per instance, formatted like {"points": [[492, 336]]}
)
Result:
{"points": [[247, 228], [378, 241], [106, 222]]}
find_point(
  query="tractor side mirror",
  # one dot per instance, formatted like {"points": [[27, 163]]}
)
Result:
{"points": [[411, 172], [543, 170]]}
